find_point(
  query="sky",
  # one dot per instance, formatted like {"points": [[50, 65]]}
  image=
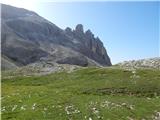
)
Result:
{"points": [[128, 29]]}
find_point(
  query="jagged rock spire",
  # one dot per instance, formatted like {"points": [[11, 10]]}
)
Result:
{"points": [[79, 28], [89, 34]]}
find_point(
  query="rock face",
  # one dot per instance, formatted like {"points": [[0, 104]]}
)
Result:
{"points": [[88, 45], [27, 38], [143, 63]]}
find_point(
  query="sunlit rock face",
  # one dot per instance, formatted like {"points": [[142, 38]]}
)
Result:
{"points": [[27, 38]]}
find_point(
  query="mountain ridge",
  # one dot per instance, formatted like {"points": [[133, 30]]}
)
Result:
{"points": [[28, 37]]}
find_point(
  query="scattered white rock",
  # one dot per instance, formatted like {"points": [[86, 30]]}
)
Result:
{"points": [[133, 71], [90, 118], [134, 76], [71, 110], [14, 107], [3, 109], [45, 109], [95, 111], [33, 106], [156, 116], [23, 107], [112, 105], [148, 98]]}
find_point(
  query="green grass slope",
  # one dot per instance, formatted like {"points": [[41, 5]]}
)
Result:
{"points": [[86, 94]]}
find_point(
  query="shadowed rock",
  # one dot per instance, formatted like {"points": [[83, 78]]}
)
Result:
{"points": [[79, 28]]}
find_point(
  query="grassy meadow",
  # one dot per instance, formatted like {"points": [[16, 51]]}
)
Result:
{"points": [[85, 94]]}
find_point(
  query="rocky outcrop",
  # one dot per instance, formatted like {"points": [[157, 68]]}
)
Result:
{"points": [[79, 29], [27, 38], [88, 44], [143, 63]]}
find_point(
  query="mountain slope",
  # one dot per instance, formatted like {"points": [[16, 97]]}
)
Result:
{"points": [[28, 38]]}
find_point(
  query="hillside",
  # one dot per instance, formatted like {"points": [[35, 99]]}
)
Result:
{"points": [[85, 94]]}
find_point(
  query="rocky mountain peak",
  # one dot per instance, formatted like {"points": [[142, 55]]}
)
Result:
{"points": [[68, 30], [79, 28]]}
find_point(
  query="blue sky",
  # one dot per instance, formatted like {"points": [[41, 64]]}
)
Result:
{"points": [[129, 30]]}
